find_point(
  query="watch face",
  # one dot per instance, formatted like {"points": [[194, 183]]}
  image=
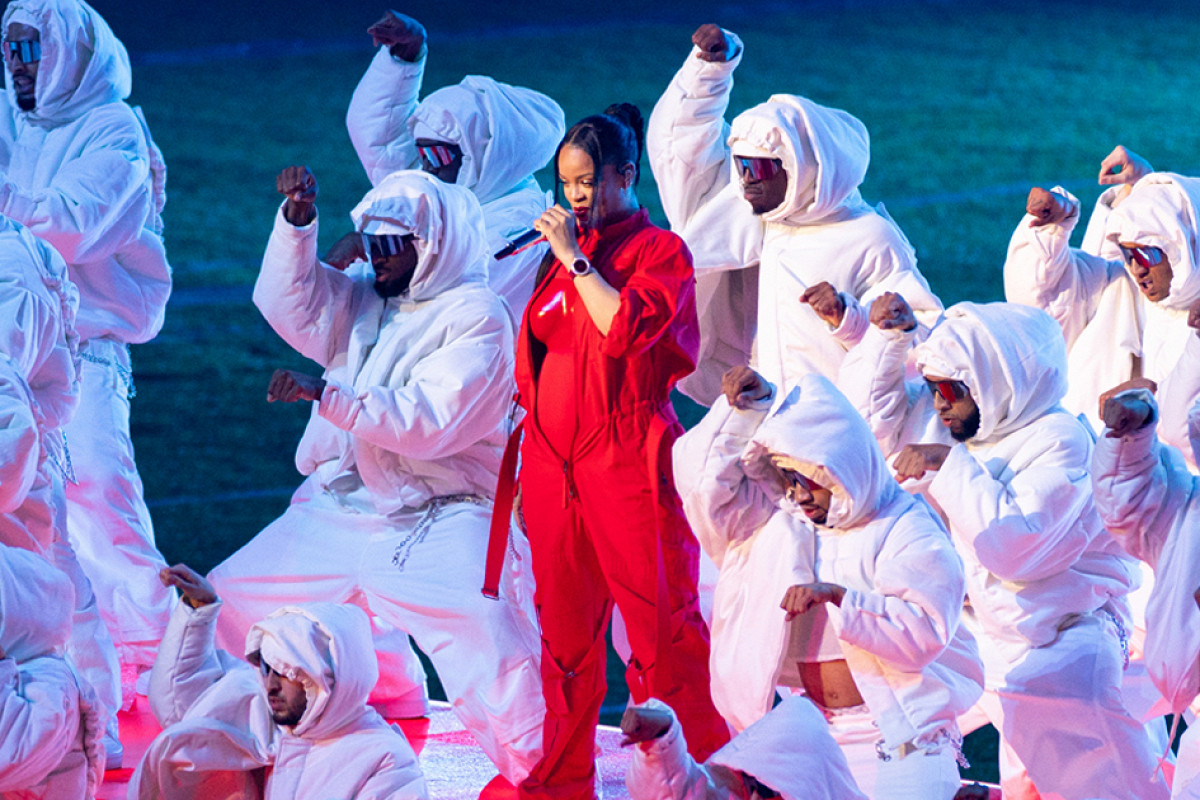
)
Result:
{"points": [[580, 266]]}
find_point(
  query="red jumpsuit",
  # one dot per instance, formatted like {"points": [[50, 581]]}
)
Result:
{"points": [[595, 458]]}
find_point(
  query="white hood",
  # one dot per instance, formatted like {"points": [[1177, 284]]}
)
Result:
{"points": [[1161, 212], [1013, 359], [825, 152], [327, 647], [37, 603], [411, 201], [506, 133], [816, 432], [83, 64], [791, 751]]}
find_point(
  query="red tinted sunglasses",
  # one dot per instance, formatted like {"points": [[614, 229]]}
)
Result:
{"points": [[437, 156], [760, 169], [949, 390], [1146, 256]]}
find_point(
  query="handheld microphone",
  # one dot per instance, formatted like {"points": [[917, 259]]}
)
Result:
{"points": [[519, 243]]}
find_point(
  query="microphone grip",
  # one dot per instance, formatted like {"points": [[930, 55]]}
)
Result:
{"points": [[519, 243]]}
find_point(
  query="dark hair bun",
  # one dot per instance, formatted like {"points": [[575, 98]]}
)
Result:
{"points": [[631, 116]]}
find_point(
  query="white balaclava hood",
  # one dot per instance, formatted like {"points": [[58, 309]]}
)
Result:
{"points": [[37, 604], [1012, 358], [83, 63], [446, 219], [825, 152], [328, 648], [1160, 212], [506, 133], [816, 432]]}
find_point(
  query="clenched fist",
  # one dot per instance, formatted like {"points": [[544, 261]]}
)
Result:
{"points": [[299, 185], [1047, 208], [713, 43], [403, 35]]}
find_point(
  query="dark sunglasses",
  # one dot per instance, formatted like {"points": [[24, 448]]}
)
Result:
{"points": [[26, 51], [949, 390], [382, 245], [1146, 256], [760, 169], [437, 156], [805, 483], [266, 669]]}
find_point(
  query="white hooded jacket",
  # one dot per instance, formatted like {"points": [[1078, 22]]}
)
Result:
{"points": [[789, 750], [1151, 503], [217, 719], [898, 621], [506, 134], [50, 727], [1107, 322], [81, 171], [1018, 495], [751, 270], [39, 385], [418, 385]]}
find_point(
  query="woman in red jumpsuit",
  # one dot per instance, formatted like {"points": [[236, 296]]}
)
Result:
{"points": [[609, 330]]}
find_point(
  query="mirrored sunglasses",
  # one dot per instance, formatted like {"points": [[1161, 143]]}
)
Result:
{"points": [[26, 51], [382, 245], [760, 169], [949, 390], [437, 156], [1146, 256]]}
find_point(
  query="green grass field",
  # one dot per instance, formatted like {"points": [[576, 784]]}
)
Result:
{"points": [[968, 105]]}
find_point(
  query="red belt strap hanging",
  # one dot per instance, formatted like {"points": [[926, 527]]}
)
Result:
{"points": [[506, 490], [654, 438]]}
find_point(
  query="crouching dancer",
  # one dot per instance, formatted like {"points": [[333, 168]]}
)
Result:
{"points": [[797, 505], [1151, 503], [302, 712], [1046, 582], [402, 450], [788, 753], [50, 723]]}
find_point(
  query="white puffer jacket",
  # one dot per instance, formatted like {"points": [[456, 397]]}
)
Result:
{"points": [[1151, 503], [898, 624], [506, 134], [39, 386], [1018, 494], [751, 270], [1105, 319], [82, 172], [218, 723], [790, 750], [50, 727], [418, 385]]}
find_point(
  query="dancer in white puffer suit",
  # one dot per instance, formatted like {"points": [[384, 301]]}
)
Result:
{"points": [[896, 625], [224, 721], [1151, 503], [753, 264], [401, 453], [50, 724], [1047, 584], [79, 168]]}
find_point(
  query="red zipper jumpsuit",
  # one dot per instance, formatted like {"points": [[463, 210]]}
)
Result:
{"points": [[594, 461]]}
